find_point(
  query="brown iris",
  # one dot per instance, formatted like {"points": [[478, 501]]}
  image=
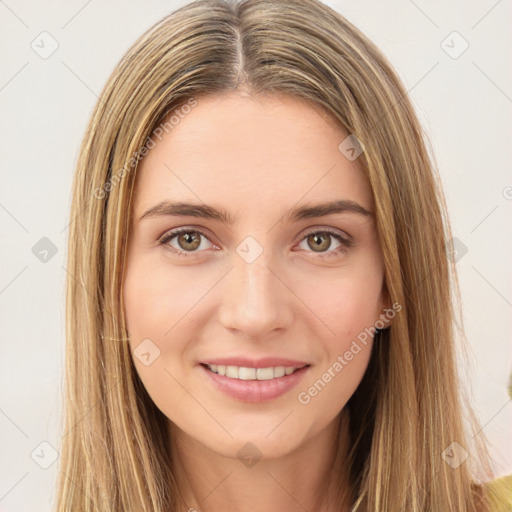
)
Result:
{"points": [[189, 240], [319, 241]]}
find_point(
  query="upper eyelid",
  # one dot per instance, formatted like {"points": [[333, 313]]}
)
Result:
{"points": [[176, 231]]}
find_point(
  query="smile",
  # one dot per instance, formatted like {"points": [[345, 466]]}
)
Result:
{"points": [[253, 385], [245, 373]]}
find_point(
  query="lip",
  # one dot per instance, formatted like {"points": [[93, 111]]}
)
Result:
{"points": [[255, 391], [265, 362]]}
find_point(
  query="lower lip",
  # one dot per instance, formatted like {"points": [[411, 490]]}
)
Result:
{"points": [[255, 391]]}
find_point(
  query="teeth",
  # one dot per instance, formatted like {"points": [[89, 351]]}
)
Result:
{"points": [[232, 371], [279, 371], [265, 373], [247, 373], [244, 373]]}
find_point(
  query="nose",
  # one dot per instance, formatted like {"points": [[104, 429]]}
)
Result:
{"points": [[256, 302]]}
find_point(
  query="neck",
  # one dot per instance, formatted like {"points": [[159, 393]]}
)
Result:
{"points": [[312, 477]]}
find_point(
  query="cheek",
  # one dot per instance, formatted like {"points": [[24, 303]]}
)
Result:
{"points": [[333, 386], [153, 309], [344, 350], [346, 301], [162, 311], [157, 299]]}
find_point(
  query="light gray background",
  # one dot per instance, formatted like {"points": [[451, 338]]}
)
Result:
{"points": [[464, 103]]}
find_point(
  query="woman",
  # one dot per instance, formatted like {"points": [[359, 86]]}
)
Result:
{"points": [[260, 313]]}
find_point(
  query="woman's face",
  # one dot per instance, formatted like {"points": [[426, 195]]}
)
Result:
{"points": [[264, 275]]}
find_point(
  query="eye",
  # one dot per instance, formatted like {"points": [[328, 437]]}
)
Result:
{"points": [[321, 241], [187, 242], [184, 240]]}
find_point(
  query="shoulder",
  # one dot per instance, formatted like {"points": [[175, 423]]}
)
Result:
{"points": [[500, 494]]}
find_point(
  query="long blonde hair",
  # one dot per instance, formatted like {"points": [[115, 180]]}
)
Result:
{"points": [[408, 409]]}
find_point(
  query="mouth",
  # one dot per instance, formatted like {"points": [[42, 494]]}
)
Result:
{"points": [[253, 385], [249, 373]]}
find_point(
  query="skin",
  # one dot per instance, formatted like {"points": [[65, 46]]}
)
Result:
{"points": [[256, 158]]}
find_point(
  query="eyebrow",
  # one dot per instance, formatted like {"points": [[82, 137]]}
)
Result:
{"points": [[204, 211]]}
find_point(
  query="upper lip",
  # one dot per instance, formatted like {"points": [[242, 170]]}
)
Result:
{"points": [[265, 362]]}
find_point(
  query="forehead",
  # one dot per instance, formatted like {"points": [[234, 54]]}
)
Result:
{"points": [[255, 153]]}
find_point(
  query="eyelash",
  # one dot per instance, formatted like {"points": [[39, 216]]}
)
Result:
{"points": [[167, 237]]}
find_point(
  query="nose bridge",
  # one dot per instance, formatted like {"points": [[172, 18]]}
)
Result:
{"points": [[254, 300]]}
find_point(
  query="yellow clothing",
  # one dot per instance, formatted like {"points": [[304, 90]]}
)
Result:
{"points": [[500, 494]]}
